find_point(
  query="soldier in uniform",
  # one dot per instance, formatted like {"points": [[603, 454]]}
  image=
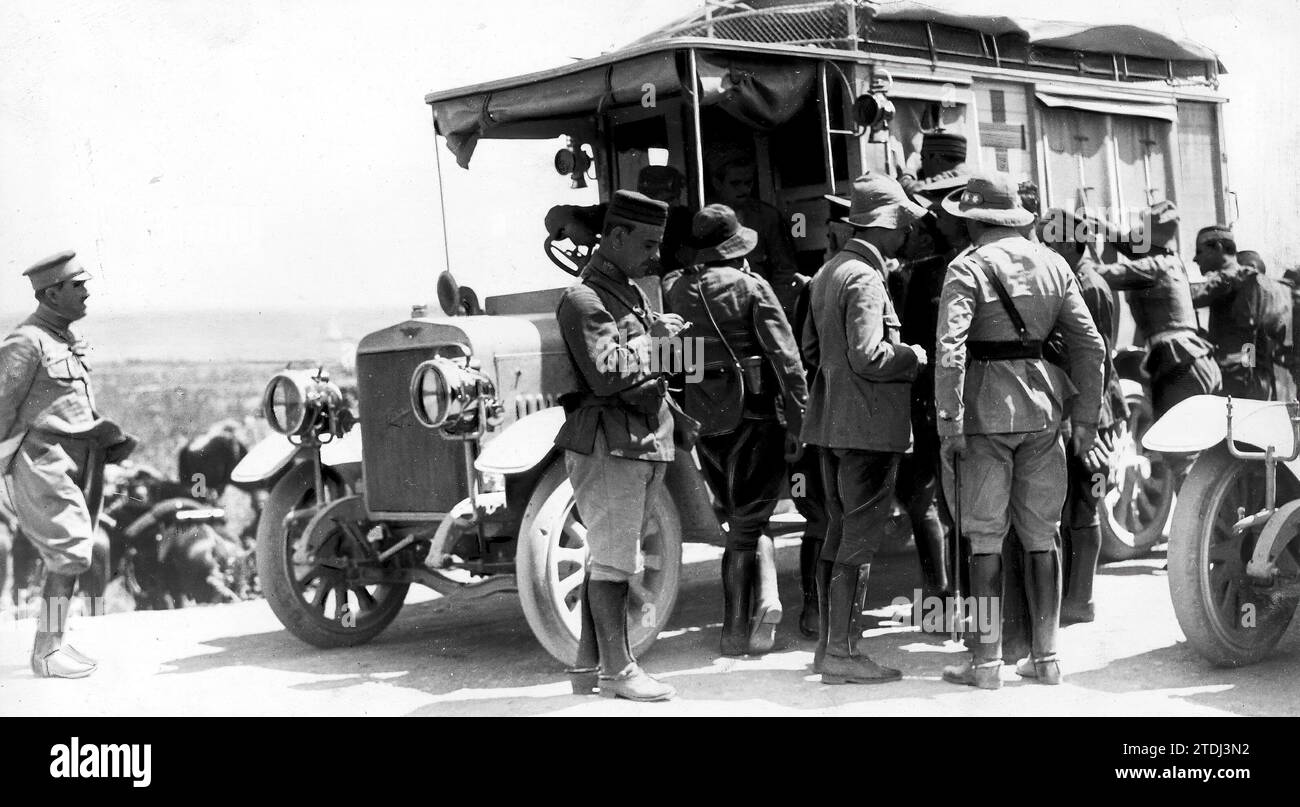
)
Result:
{"points": [[936, 239], [1248, 319], [858, 413], [53, 447], [1000, 418], [806, 486], [942, 157], [665, 183], [617, 434], [751, 391], [1179, 361], [1081, 527], [734, 177]]}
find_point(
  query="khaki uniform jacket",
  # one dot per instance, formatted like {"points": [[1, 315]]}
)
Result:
{"points": [[1246, 308], [860, 396], [605, 321], [746, 310], [45, 386], [1160, 297], [1017, 395]]}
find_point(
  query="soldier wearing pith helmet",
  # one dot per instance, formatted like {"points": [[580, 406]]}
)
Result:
{"points": [[53, 447], [1000, 406]]}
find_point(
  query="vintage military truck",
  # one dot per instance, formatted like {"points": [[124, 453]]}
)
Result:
{"points": [[449, 477]]}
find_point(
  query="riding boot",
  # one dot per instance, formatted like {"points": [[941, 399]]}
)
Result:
{"points": [[844, 664], [824, 569], [50, 657], [928, 536], [1015, 611], [1043, 584], [808, 552], [984, 669], [585, 672], [767, 600], [1085, 547], [737, 588], [620, 676]]}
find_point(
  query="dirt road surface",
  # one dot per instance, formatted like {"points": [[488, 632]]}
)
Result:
{"points": [[479, 658]]}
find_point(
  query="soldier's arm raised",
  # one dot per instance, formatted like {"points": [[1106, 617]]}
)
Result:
{"points": [[956, 309], [608, 363], [871, 355], [1129, 273], [19, 360], [1216, 286]]}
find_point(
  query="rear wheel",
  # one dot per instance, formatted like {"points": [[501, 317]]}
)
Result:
{"points": [[1227, 617], [311, 595], [1136, 511], [551, 563]]}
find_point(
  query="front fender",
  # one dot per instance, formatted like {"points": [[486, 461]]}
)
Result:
{"points": [[272, 455], [524, 444], [1201, 422]]}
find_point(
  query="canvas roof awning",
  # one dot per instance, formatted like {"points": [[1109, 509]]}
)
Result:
{"points": [[760, 81], [761, 90], [1126, 40]]}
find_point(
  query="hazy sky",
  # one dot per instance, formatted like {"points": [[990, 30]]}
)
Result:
{"points": [[279, 153]]}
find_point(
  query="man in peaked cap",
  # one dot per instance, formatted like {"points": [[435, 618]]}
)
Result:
{"points": [[617, 434], [751, 392], [53, 447], [858, 412], [1000, 408], [943, 159], [665, 183]]}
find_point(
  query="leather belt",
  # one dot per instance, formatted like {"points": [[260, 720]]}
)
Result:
{"points": [[1004, 351]]}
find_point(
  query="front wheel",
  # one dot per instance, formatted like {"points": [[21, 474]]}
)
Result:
{"points": [[1136, 510], [1226, 616], [551, 563], [312, 596]]}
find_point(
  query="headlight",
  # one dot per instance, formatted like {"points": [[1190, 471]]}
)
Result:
{"points": [[446, 395], [296, 400]]}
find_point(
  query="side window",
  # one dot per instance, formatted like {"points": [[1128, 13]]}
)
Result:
{"points": [[1201, 172], [1077, 157], [633, 142]]}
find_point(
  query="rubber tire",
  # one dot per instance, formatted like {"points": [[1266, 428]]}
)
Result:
{"points": [[1115, 548], [274, 572], [547, 505], [1210, 475]]}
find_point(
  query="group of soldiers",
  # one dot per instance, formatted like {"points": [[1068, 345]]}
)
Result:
{"points": [[992, 402]]}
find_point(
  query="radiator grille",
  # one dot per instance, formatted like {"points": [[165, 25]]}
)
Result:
{"points": [[408, 468]]}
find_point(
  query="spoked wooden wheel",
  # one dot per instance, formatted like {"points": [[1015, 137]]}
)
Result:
{"points": [[312, 595], [551, 564], [1226, 616], [1135, 511]]}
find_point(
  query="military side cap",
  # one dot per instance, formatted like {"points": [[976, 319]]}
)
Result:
{"points": [[1215, 232], [1249, 257], [941, 142], [55, 269], [632, 208]]}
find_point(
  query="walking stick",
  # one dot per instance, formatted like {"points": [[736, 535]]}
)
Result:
{"points": [[956, 548]]}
